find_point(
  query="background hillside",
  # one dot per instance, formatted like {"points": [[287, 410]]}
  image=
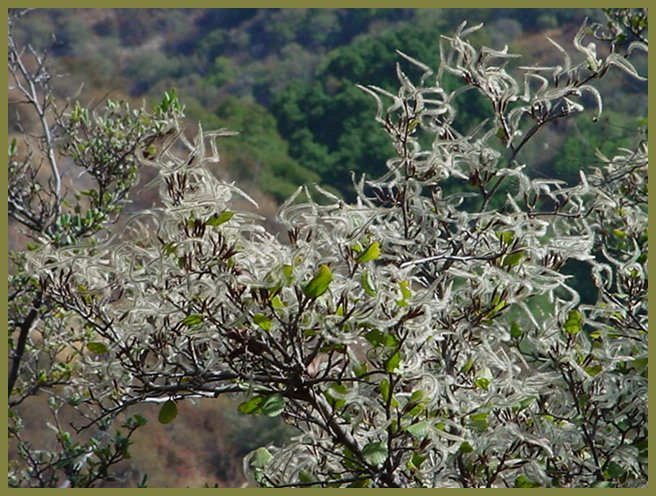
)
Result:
{"points": [[285, 79]]}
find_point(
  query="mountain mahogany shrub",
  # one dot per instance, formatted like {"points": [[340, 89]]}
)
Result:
{"points": [[416, 339]]}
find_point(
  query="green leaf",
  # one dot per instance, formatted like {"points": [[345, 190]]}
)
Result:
{"points": [[415, 409], [305, 477], [42, 377], [412, 125], [384, 388], [465, 447], [360, 483], [385, 392], [525, 402], [478, 421], [151, 151], [523, 481], [593, 370], [392, 363], [192, 320], [340, 388], [467, 366], [13, 147], [416, 460], [515, 330], [375, 337], [641, 364], [273, 405], [253, 406], [367, 283], [144, 481], [97, 348], [483, 383], [615, 470], [375, 453], [404, 286], [642, 443], [335, 403], [506, 237], [218, 219], [360, 370], [416, 396], [168, 412], [602, 484], [337, 399], [288, 274], [391, 341], [318, 285], [371, 253], [261, 458], [277, 303], [619, 233], [497, 304], [418, 430], [574, 322], [262, 321], [350, 461], [338, 347], [192, 221], [513, 259]]}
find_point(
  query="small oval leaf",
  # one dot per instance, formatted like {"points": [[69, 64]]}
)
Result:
{"points": [[218, 219], [392, 363], [168, 412], [515, 330], [262, 321], [97, 348], [371, 253], [273, 405], [260, 458], [367, 283], [574, 322], [192, 319], [288, 274], [318, 285], [375, 453], [513, 259], [252, 406], [277, 303], [419, 430]]}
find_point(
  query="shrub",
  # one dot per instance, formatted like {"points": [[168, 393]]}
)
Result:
{"points": [[416, 338]]}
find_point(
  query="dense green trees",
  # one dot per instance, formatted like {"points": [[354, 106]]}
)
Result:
{"points": [[590, 137], [259, 154], [328, 121], [301, 65]]}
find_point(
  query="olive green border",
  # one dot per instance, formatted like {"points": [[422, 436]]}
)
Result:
{"points": [[264, 4]]}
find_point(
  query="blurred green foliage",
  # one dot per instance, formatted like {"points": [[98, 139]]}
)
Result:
{"points": [[301, 65], [328, 121], [577, 152], [258, 155]]}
